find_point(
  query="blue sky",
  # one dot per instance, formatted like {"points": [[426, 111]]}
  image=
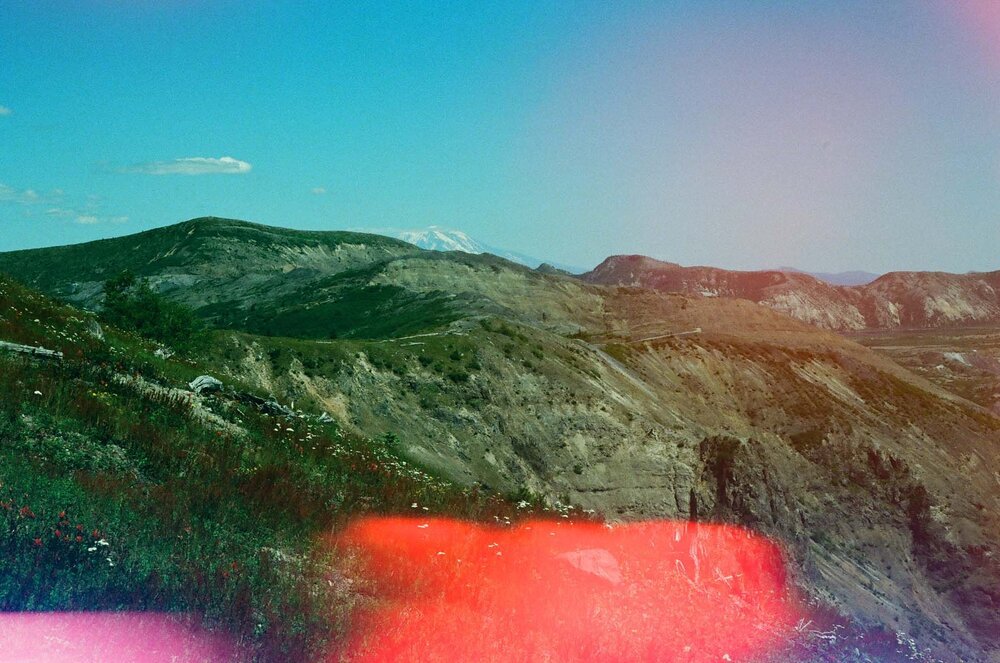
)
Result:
{"points": [[827, 136]]}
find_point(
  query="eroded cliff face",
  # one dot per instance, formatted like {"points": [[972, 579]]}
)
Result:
{"points": [[861, 470], [895, 300]]}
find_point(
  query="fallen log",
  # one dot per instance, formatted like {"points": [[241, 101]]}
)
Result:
{"points": [[31, 350]]}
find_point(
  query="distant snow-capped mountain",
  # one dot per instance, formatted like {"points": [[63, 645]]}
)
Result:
{"points": [[436, 238]]}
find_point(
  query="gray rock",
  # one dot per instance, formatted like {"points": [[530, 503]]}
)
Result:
{"points": [[205, 384], [276, 409]]}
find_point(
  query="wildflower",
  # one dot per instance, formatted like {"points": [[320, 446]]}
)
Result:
{"points": [[92, 549], [26, 512], [58, 534], [79, 539], [37, 393], [38, 541]]}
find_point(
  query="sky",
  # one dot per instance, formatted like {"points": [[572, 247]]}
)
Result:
{"points": [[822, 135]]}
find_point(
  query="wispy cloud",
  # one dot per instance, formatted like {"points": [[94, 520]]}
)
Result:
{"points": [[318, 190], [4, 110], [92, 219], [9, 194], [56, 206], [192, 166]]}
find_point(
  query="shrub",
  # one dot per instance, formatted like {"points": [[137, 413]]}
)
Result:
{"points": [[130, 304]]}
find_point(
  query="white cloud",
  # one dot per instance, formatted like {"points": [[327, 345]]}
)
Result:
{"points": [[192, 166], [4, 110], [318, 190], [59, 212], [87, 219]]}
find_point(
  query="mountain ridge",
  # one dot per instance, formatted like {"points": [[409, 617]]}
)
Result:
{"points": [[900, 299]]}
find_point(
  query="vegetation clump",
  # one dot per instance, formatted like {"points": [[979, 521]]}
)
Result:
{"points": [[132, 305]]}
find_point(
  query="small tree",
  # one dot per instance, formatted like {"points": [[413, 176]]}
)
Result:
{"points": [[129, 303]]}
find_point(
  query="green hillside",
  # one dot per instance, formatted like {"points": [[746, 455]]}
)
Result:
{"points": [[118, 490]]}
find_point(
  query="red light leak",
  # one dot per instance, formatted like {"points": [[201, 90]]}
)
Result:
{"points": [[448, 590], [91, 637]]}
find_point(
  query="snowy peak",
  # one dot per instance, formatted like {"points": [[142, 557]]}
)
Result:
{"points": [[436, 238]]}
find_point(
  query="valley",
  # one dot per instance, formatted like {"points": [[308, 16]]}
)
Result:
{"points": [[627, 403], [963, 361]]}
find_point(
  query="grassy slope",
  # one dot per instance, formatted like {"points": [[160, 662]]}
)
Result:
{"points": [[176, 509], [193, 242], [284, 282]]}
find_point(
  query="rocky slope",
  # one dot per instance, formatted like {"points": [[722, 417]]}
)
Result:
{"points": [[842, 456], [629, 401], [895, 300]]}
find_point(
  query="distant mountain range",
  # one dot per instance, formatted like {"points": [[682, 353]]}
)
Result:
{"points": [[837, 278], [894, 300], [436, 238]]}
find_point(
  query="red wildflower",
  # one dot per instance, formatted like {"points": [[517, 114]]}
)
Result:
{"points": [[79, 539], [79, 528], [38, 542], [26, 512], [62, 515], [58, 534]]}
